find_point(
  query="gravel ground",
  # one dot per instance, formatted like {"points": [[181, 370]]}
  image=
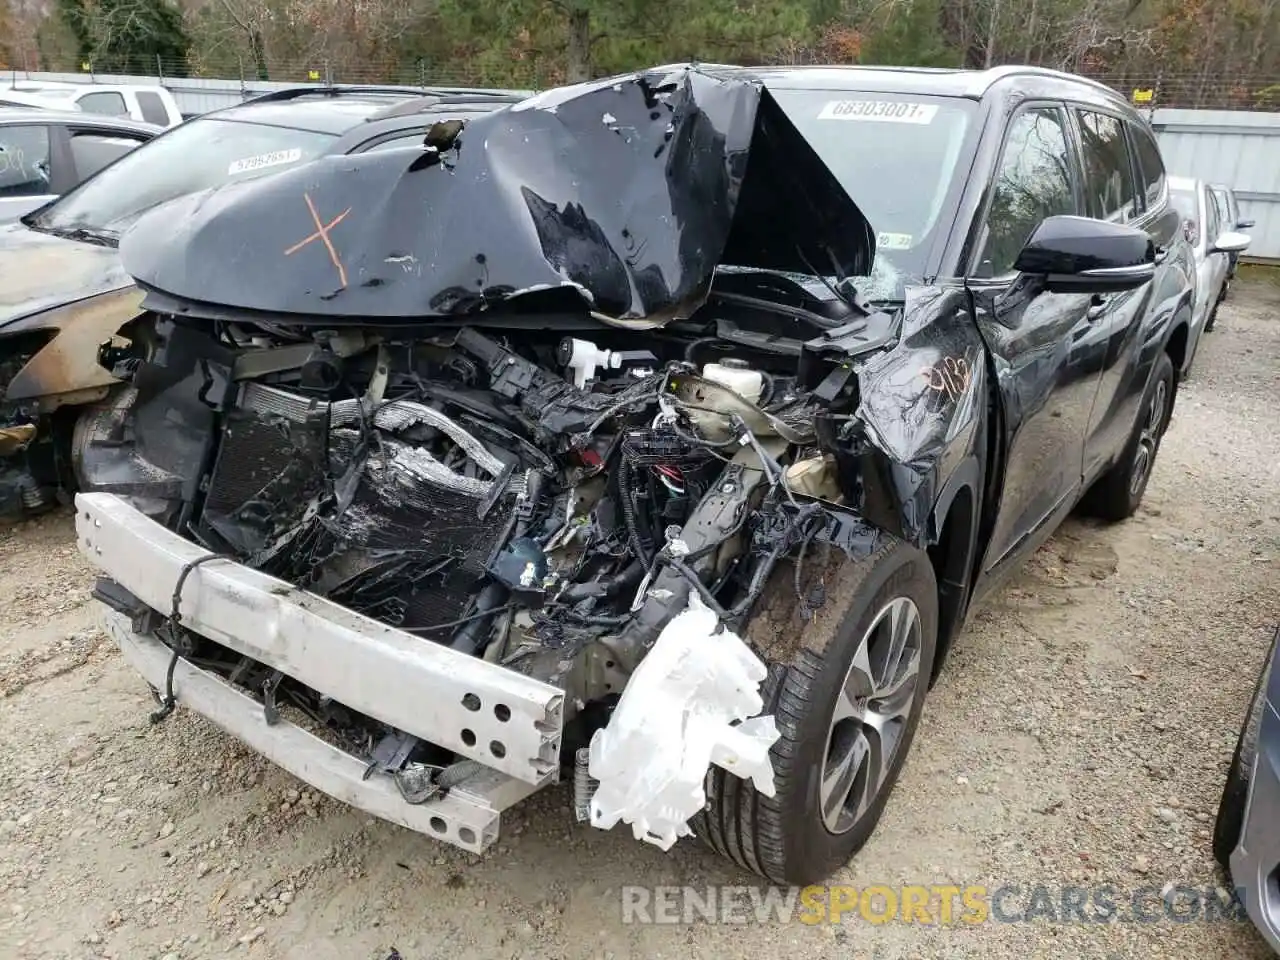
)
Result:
{"points": [[1079, 737]]}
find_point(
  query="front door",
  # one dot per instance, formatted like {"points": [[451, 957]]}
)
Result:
{"points": [[1048, 349]]}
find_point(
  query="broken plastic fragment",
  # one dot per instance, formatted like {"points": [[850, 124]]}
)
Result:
{"points": [[678, 714]]}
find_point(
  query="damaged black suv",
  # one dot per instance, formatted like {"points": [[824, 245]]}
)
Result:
{"points": [[428, 450]]}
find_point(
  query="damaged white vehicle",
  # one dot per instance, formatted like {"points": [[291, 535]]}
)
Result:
{"points": [[564, 447]]}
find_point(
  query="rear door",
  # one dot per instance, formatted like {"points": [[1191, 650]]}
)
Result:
{"points": [[1116, 189], [28, 174], [1046, 357]]}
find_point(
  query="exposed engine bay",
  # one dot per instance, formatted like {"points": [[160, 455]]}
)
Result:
{"points": [[542, 501]]}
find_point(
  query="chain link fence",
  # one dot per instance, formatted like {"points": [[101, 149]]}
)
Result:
{"points": [[539, 72]]}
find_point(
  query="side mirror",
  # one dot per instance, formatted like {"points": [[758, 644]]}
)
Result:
{"points": [[1083, 255], [1232, 242], [1245, 224]]}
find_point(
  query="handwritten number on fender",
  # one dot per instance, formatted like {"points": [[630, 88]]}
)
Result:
{"points": [[950, 377]]}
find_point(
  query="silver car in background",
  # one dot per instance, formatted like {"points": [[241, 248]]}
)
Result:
{"points": [[1212, 244], [1229, 210], [44, 153]]}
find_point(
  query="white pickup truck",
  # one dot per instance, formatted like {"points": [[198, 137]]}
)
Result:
{"points": [[146, 104]]}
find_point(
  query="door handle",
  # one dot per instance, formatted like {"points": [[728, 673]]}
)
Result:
{"points": [[1098, 306]]}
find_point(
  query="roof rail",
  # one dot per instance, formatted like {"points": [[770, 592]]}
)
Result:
{"points": [[326, 90], [414, 105], [458, 93], [987, 77]]}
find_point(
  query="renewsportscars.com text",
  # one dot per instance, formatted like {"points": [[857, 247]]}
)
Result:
{"points": [[932, 904]]}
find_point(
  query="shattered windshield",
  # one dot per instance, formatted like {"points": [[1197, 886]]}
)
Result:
{"points": [[896, 155], [194, 156]]}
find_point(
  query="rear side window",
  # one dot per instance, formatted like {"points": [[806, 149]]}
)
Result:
{"points": [[153, 109], [1150, 163], [1032, 182], [1110, 193], [93, 151], [24, 161], [109, 103]]}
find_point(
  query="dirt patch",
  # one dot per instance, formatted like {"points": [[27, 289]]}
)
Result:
{"points": [[1078, 737]]}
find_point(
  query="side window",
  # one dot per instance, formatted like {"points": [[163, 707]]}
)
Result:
{"points": [[92, 151], [1109, 189], [1033, 181], [109, 103], [153, 108], [24, 161], [1150, 163]]}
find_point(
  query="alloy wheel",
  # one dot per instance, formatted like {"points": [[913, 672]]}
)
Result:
{"points": [[1149, 438], [870, 715]]}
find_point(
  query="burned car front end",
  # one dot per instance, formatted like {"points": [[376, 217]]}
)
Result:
{"points": [[431, 446]]}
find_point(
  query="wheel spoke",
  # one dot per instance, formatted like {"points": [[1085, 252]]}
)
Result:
{"points": [[903, 683], [902, 622], [875, 767], [838, 780]]}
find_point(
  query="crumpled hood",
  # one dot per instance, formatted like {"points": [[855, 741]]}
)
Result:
{"points": [[624, 193], [39, 271]]}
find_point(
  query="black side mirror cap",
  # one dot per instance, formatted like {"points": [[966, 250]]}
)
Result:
{"points": [[1084, 255]]}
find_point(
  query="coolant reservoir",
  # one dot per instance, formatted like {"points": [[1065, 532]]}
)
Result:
{"points": [[738, 376]]}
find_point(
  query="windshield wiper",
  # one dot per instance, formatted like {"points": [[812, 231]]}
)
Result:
{"points": [[85, 234], [103, 238]]}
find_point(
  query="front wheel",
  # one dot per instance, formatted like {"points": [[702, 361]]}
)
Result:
{"points": [[1117, 493], [847, 688]]}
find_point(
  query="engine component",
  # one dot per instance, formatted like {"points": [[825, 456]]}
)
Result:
{"points": [[738, 376], [584, 359], [584, 786], [361, 539], [686, 706]]}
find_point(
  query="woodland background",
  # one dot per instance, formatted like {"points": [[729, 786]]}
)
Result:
{"points": [[1194, 53]]}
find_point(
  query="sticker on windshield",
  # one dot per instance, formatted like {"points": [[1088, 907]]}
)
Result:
{"points": [[883, 111], [893, 241], [273, 159]]}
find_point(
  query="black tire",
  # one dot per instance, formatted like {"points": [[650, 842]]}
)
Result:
{"points": [[96, 422], [1235, 792], [784, 837], [1115, 495]]}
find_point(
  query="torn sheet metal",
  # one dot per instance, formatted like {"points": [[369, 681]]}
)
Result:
{"points": [[686, 706], [625, 194], [66, 370], [919, 410]]}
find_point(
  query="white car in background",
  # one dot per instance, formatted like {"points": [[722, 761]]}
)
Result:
{"points": [[146, 104], [1213, 245], [45, 153]]}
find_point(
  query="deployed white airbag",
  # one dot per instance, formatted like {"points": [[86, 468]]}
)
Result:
{"points": [[678, 714]]}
